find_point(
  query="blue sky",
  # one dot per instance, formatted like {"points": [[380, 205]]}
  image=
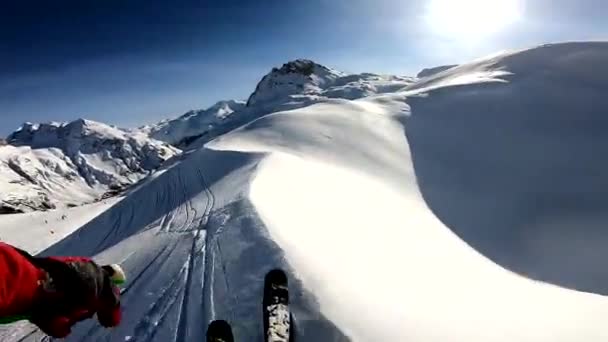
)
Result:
{"points": [[131, 62]]}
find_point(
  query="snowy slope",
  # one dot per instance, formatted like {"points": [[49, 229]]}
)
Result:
{"points": [[522, 136], [357, 86], [435, 70], [388, 212], [55, 165], [36, 231]]}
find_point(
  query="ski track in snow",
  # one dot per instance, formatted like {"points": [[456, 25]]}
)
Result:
{"points": [[194, 253], [145, 330], [173, 296]]}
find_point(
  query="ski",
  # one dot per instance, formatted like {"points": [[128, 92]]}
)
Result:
{"points": [[219, 331], [277, 318]]}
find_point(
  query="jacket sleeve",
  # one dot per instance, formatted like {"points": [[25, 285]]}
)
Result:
{"points": [[18, 282]]}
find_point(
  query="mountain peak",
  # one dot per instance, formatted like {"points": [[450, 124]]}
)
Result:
{"points": [[80, 122], [225, 106], [297, 77], [51, 133], [193, 123], [85, 122], [299, 66]]}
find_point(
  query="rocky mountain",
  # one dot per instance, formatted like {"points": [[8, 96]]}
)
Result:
{"points": [[194, 123], [295, 84], [303, 79], [299, 77], [54, 164], [67, 164]]}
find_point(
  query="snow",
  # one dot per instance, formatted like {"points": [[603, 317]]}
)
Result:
{"points": [[522, 145], [305, 82], [426, 213], [32, 179], [419, 276], [66, 164], [36, 231], [435, 70], [193, 123], [296, 77], [295, 85], [357, 86]]}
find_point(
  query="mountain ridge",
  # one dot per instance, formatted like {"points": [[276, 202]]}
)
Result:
{"points": [[47, 165]]}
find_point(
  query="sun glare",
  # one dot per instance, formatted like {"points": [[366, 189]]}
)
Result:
{"points": [[472, 19]]}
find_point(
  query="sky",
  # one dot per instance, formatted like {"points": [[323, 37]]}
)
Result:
{"points": [[134, 62]]}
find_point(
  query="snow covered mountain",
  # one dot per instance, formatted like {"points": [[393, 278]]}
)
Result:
{"points": [[303, 82], [58, 164], [299, 77], [66, 164], [469, 206], [193, 124], [294, 85]]}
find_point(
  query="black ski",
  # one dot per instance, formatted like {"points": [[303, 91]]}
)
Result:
{"points": [[219, 331], [275, 306]]}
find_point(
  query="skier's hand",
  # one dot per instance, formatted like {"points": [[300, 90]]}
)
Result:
{"points": [[108, 312], [74, 291]]}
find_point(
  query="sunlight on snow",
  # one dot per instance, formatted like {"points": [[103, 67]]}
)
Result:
{"points": [[349, 235]]}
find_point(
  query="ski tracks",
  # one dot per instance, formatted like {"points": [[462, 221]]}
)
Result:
{"points": [[196, 252], [177, 296], [185, 216], [157, 312], [167, 219]]}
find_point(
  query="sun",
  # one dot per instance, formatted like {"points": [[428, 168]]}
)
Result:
{"points": [[472, 19]]}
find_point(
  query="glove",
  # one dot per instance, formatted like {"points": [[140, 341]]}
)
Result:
{"points": [[74, 290]]}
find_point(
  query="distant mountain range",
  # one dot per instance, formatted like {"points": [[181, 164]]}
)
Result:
{"points": [[50, 165]]}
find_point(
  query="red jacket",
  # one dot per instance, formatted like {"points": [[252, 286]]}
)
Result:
{"points": [[18, 282], [22, 289]]}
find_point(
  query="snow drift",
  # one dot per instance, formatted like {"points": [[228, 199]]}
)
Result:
{"points": [[508, 153], [398, 217]]}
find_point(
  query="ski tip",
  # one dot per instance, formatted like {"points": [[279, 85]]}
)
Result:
{"points": [[219, 331], [276, 276]]}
